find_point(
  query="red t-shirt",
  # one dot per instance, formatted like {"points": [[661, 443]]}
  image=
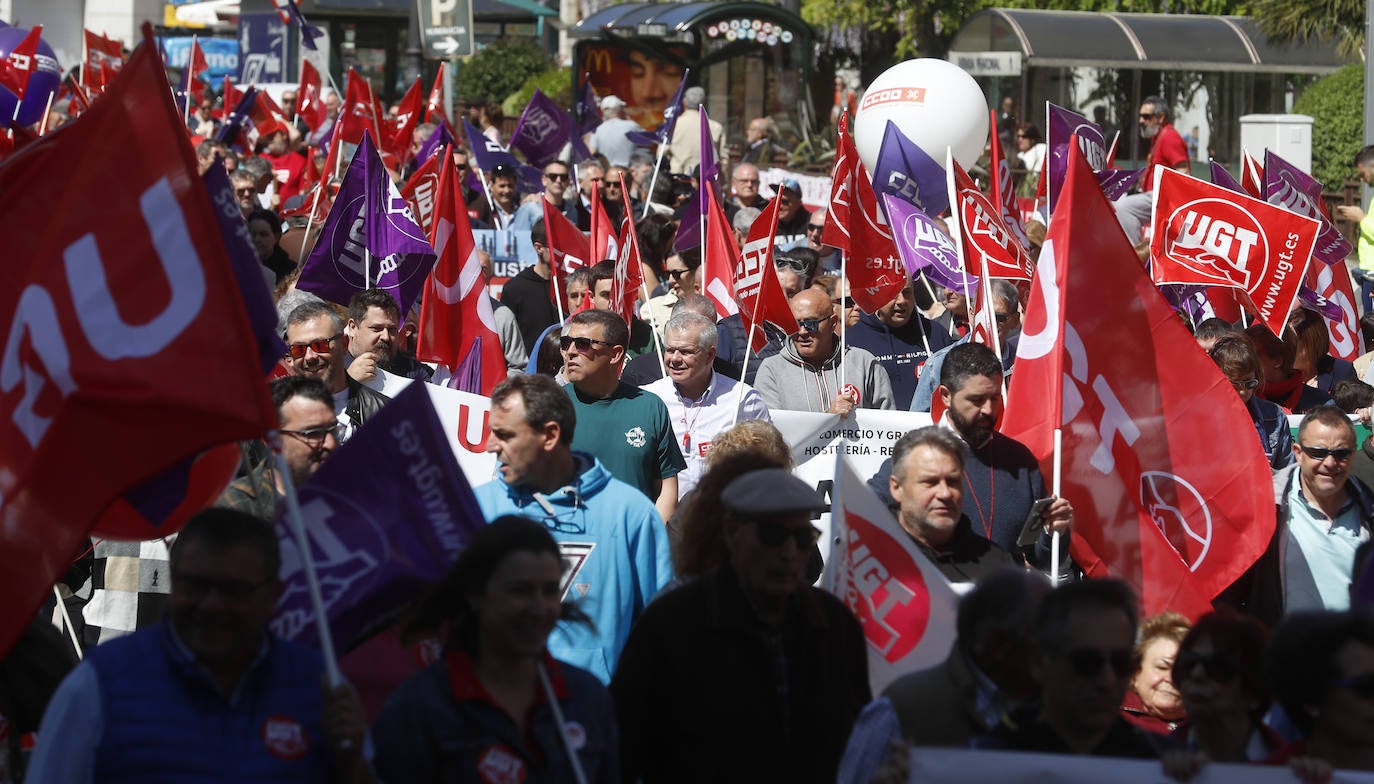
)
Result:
{"points": [[288, 168], [1169, 149]]}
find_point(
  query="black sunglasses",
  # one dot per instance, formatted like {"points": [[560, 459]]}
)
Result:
{"points": [[810, 227], [774, 534], [319, 346], [1087, 662], [1321, 453], [583, 344], [847, 302], [195, 587], [813, 324], [1361, 685], [563, 177], [1218, 666], [675, 274], [1002, 317], [1248, 385]]}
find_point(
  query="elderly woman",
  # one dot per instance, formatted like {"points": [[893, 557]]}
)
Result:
{"points": [[1153, 702]]}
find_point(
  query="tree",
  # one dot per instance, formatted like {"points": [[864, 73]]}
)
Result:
{"points": [[500, 68], [1316, 20], [1335, 103]]}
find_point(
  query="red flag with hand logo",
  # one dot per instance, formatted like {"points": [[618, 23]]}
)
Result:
{"points": [[569, 249], [1102, 355], [1004, 189], [629, 270], [420, 192], [1207, 235], [434, 107], [359, 111], [875, 271], [1335, 286], [720, 263], [604, 239], [104, 58], [401, 128], [124, 320], [983, 236], [309, 99], [457, 324], [757, 290]]}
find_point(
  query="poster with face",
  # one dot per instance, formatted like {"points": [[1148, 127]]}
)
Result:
{"points": [[644, 73]]}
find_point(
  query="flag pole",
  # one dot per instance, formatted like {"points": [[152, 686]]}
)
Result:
{"points": [[744, 369], [296, 523], [367, 267], [578, 775], [844, 275], [1055, 480], [653, 181], [190, 67], [310, 219], [658, 344], [47, 112], [67, 622]]}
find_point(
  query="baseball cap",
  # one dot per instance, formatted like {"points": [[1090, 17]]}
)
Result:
{"points": [[611, 102], [789, 184]]}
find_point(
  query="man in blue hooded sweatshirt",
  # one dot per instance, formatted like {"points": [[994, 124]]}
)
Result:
{"points": [[901, 340], [614, 544]]}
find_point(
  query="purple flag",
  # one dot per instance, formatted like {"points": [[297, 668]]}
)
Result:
{"points": [[289, 12], [1060, 126], [488, 155], [436, 141], [542, 130], [923, 246], [232, 130], [906, 171], [1116, 182], [1316, 303], [586, 110], [386, 516], [368, 216], [579, 148], [694, 215], [664, 132], [1293, 189], [248, 271], [1224, 179]]}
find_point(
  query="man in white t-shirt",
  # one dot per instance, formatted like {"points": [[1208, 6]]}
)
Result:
{"points": [[701, 402]]}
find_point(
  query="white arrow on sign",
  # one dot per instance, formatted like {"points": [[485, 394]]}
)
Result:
{"points": [[448, 45]]}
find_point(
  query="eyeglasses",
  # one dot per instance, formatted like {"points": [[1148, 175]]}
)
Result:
{"points": [[563, 177], [583, 344], [743, 181], [775, 534], [1002, 317], [796, 265], [195, 587], [461, 166], [810, 227], [1087, 662], [847, 302], [1361, 685], [1147, 115], [610, 184], [319, 346], [812, 324], [1246, 386], [245, 191], [1220, 667], [676, 274], [314, 437], [1321, 453]]}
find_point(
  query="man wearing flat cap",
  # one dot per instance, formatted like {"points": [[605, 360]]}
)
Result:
{"points": [[748, 673]]}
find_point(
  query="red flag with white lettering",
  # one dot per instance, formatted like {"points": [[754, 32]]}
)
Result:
{"points": [[309, 99], [104, 58], [842, 179], [721, 259], [569, 249], [875, 271], [400, 129], [1004, 189], [359, 110], [434, 107], [21, 63], [983, 316], [984, 238], [457, 324], [604, 239], [1141, 410], [629, 269], [420, 190], [1205, 234], [757, 290], [904, 604], [1335, 286], [128, 346]]}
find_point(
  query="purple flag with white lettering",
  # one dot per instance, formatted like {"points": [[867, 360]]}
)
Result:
{"points": [[542, 130], [369, 239], [488, 155], [909, 173], [1116, 182], [1060, 126], [924, 246], [694, 215], [248, 271], [664, 132], [386, 516], [439, 137], [586, 111], [1293, 189]]}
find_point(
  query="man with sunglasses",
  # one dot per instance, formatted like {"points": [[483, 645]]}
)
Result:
{"points": [[806, 375], [557, 179], [1324, 514], [317, 348], [1167, 149], [1085, 638], [900, 339], [627, 428], [748, 673]]}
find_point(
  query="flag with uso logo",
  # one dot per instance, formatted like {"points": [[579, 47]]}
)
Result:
{"points": [[904, 604]]}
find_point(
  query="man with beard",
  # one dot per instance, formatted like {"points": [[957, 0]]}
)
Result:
{"points": [[900, 340], [373, 326], [310, 431]]}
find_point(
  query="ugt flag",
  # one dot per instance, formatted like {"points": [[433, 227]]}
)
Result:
{"points": [[369, 240], [104, 307], [1103, 357], [906, 607], [386, 516]]}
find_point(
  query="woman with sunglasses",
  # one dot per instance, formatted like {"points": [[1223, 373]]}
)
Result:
{"points": [[496, 700], [1237, 359]]}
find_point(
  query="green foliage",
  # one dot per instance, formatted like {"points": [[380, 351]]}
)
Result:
{"points": [[553, 82], [500, 68], [1336, 104], [1314, 21]]}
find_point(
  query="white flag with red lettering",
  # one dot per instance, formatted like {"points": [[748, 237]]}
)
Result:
{"points": [[905, 605]]}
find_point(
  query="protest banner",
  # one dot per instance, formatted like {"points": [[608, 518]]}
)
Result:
{"points": [[961, 766]]}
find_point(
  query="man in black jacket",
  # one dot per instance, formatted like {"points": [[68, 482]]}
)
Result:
{"points": [[527, 294]]}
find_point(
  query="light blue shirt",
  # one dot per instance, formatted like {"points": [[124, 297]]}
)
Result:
{"points": [[1320, 552]]}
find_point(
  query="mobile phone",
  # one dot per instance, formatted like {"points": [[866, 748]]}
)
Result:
{"points": [[1035, 523]]}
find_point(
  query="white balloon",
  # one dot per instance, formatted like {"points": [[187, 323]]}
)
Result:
{"points": [[934, 102]]}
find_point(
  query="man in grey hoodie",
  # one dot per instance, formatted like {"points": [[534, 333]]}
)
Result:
{"points": [[808, 376]]}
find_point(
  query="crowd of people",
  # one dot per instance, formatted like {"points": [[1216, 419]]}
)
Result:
{"points": [[641, 604]]}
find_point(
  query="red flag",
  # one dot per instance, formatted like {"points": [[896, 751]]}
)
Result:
{"points": [[721, 259], [842, 180], [757, 290], [1142, 412], [107, 304], [267, 118], [1004, 190], [875, 271], [605, 241], [457, 325], [983, 315], [103, 59], [983, 236], [1207, 235], [420, 190], [401, 128], [16, 69], [434, 107], [1335, 286], [195, 66], [309, 102], [629, 270], [231, 95], [1252, 176], [359, 111], [568, 250]]}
